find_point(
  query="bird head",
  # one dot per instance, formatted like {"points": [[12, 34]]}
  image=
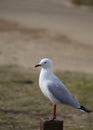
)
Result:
{"points": [[45, 63]]}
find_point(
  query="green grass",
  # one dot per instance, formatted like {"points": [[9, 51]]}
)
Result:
{"points": [[22, 103]]}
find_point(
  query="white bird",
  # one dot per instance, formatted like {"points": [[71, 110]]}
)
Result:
{"points": [[54, 89]]}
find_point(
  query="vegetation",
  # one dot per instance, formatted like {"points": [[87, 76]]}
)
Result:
{"points": [[83, 2], [22, 103]]}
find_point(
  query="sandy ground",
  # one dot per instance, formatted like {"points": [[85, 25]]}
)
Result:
{"points": [[46, 28]]}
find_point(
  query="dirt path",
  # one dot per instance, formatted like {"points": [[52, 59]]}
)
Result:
{"points": [[46, 29]]}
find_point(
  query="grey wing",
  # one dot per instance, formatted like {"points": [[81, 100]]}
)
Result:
{"points": [[62, 94]]}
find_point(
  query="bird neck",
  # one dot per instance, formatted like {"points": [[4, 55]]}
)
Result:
{"points": [[48, 70], [46, 73]]}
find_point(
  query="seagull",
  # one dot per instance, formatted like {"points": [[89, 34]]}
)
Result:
{"points": [[54, 89]]}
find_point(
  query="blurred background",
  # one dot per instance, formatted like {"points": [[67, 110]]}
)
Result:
{"points": [[31, 30]]}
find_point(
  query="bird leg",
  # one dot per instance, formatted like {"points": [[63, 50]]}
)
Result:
{"points": [[54, 111]]}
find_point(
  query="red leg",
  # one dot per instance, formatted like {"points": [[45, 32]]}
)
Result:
{"points": [[54, 111]]}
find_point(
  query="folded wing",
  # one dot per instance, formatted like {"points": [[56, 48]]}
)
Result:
{"points": [[62, 94]]}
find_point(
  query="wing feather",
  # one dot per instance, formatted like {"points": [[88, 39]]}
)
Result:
{"points": [[61, 93]]}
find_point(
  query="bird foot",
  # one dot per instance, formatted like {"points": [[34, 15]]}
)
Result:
{"points": [[50, 118]]}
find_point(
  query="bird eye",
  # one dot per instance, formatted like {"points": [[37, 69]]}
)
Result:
{"points": [[45, 62]]}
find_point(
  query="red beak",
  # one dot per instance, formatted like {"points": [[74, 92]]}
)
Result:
{"points": [[38, 65]]}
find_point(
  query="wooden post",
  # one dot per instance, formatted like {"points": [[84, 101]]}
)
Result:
{"points": [[46, 124]]}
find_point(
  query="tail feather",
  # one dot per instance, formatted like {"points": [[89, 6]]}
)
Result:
{"points": [[82, 108]]}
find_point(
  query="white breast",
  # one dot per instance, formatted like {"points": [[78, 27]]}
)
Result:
{"points": [[44, 80]]}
